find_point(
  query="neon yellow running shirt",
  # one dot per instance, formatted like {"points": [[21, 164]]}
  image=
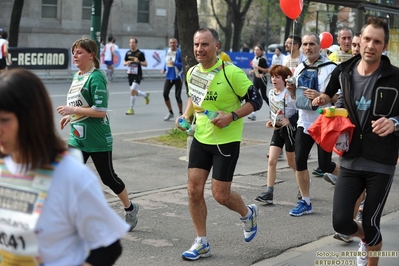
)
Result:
{"points": [[219, 97]]}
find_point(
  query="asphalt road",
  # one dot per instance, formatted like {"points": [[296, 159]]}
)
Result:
{"points": [[156, 178]]}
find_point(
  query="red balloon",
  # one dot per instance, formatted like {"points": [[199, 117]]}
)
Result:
{"points": [[291, 8], [326, 39]]}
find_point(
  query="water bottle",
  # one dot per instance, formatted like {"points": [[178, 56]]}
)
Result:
{"points": [[184, 124], [331, 112], [211, 114]]}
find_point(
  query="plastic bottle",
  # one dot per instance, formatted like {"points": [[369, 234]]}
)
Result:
{"points": [[184, 124], [211, 114], [331, 112]]}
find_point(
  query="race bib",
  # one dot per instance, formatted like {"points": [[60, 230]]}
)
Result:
{"points": [[133, 68], [342, 57], [75, 98], [198, 84], [22, 197]]}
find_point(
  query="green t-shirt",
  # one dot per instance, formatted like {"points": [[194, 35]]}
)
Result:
{"points": [[220, 96], [92, 134]]}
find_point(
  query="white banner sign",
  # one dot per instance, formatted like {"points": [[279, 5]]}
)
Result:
{"points": [[155, 60]]}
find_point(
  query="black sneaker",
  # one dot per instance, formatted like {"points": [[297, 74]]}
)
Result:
{"points": [[265, 197], [318, 172]]}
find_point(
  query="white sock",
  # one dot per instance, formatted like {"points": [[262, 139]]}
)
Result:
{"points": [[141, 93], [202, 239], [307, 200], [249, 213], [132, 101]]}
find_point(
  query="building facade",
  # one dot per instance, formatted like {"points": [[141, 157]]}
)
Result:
{"points": [[58, 23]]}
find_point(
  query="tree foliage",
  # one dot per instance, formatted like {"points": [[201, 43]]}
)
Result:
{"points": [[227, 28], [235, 18], [264, 23], [239, 11]]}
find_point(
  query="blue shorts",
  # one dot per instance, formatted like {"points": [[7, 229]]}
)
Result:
{"points": [[109, 63]]}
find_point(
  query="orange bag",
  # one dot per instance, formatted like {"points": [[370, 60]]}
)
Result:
{"points": [[326, 130]]}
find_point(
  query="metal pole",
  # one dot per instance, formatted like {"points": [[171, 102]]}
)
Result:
{"points": [[317, 21], [95, 29]]}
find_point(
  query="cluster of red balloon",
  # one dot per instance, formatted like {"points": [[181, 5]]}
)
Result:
{"points": [[326, 39], [293, 8]]}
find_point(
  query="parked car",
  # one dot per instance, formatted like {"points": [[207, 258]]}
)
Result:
{"points": [[272, 47]]}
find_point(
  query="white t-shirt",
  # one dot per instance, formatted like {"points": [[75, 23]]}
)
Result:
{"points": [[2, 42], [76, 217], [277, 60], [109, 47], [306, 118], [281, 104]]}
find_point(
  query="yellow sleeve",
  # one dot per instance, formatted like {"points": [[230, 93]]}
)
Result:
{"points": [[225, 57]]}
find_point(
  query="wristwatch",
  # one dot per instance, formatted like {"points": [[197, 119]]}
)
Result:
{"points": [[396, 124], [235, 116]]}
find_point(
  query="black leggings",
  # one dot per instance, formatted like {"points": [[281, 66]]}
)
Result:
{"points": [[303, 144], [349, 186], [103, 163], [168, 86], [261, 84]]}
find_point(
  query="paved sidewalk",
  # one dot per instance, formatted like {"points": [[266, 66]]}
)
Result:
{"points": [[329, 251]]}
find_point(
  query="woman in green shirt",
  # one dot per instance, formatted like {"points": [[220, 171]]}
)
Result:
{"points": [[86, 111]]}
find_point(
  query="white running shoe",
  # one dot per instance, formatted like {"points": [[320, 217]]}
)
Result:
{"points": [[197, 250], [251, 224], [252, 117], [330, 178], [131, 217], [168, 117], [362, 256]]}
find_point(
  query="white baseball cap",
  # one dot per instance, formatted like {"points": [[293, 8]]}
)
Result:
{"points": [[333, 48]]}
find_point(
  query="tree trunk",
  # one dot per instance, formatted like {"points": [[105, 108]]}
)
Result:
{"points": [[238, 25], [333, 23], [228, 32], [176, 30], [301, 18], [188, 24], [227, 29], [106, 13], [238, 19], [288, 28], [14, 23]]}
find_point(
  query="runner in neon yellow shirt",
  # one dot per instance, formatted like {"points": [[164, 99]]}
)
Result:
{"points": [[216, 86]]}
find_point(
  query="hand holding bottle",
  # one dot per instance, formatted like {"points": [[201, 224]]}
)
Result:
{"points": [[211, 114], [183, 123]]}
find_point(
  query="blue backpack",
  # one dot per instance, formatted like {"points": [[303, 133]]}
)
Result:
{"points": [[308, 79]]}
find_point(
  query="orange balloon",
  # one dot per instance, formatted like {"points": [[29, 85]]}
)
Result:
{"points": [[291, 8], [326, 39]]}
